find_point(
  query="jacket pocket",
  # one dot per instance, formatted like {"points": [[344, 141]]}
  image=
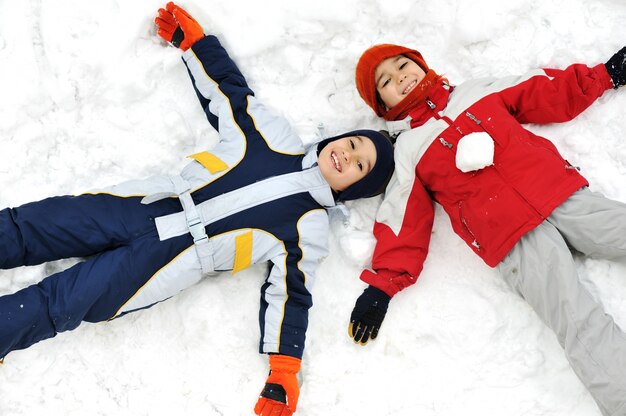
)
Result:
{"points": [[466, 226]]}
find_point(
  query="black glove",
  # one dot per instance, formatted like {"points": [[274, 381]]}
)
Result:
{"points": [[368, 314], [616, 67]]}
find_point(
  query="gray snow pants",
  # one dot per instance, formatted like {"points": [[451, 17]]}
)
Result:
{"points": [[542, 270]]}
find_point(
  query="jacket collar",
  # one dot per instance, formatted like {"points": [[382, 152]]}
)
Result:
{"points": [[436, 101], [317, 185]]}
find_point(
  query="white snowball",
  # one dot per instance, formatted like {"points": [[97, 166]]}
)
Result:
{"points": [[474, 152]]}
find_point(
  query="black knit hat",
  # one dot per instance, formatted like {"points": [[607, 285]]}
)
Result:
{"points": [[376, 180]]}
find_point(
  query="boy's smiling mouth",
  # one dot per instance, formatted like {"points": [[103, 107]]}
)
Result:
{"points": [[409, 87], [335, 161]]}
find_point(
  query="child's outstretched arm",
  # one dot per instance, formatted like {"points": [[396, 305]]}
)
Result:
{"points": [[402, 229], [285, 303], [558, 95], [227, 100], [219, 85]]}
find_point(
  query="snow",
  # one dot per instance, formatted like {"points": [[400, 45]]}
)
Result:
{"points": [[91, 97], [474, 152]]}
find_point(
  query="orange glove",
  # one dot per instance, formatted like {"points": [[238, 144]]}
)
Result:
{"points": [[176, 26], [281, 392], [271, 407]]}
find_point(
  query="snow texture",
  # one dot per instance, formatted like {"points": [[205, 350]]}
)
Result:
{"points": [[474, 152], [91, 97]]}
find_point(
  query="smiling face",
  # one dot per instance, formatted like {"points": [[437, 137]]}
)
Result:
{"points": [[346, 161], [395, 79]]}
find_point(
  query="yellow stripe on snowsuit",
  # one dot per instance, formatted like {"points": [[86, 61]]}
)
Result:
{"points": [[211, 162], [243, 252]]}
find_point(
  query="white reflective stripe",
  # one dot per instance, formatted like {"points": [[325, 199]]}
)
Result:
{"points": [[243, 198]]}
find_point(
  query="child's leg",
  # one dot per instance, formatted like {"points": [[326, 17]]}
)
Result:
{"points": [[541, 269], [71, 226], [592, 224], [92, 291]]}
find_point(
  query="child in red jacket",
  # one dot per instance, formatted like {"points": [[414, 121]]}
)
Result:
{"points": [[510, 195]]}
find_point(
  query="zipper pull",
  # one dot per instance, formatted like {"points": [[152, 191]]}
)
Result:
{"points": [[472, 117], [431, 104], [445, 143]]}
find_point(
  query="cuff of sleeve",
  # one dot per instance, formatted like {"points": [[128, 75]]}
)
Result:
{"points": [[385, 281], [206, 42], [603, 76], [274, 348]]}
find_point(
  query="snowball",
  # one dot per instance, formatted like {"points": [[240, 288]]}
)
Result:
{"points": [[474, 152]]}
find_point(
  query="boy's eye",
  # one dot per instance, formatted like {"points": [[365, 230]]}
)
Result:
{"points": [[352, 144], [385, 83], [403, 65], [360, 165]]}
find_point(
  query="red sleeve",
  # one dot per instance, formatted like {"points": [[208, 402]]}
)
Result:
{"points": [[557, 96], [399, 258]]}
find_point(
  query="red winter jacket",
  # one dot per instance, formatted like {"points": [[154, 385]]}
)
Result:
{"points": [[491, 208]]}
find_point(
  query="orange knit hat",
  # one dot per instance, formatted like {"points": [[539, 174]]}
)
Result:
{"points": [[365, 68]]}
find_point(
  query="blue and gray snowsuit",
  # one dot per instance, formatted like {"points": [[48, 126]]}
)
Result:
{"points": [[258, 196]]}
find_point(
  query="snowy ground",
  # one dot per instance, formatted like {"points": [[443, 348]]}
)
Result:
{"points": [[91, 97]]}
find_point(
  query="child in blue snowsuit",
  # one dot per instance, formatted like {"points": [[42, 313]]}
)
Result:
{"points": [[258, 196]]}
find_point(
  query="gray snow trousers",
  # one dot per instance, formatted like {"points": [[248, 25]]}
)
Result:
{"points": [[542, 270]]}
